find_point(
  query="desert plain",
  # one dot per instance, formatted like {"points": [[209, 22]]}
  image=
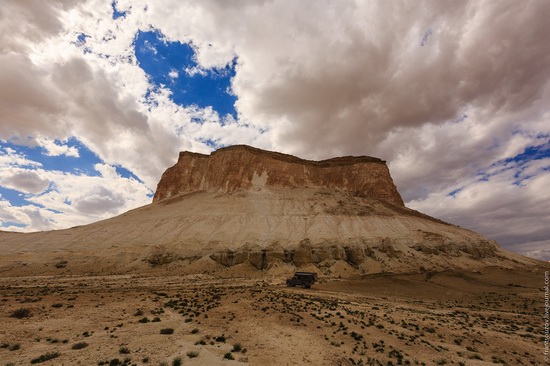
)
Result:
{"points": [[244, 316], [198, 277]]}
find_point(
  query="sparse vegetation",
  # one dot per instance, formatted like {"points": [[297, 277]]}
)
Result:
{"points": [[376, 332], [21, 313], [45, 357], [79, 345], [117, 362], [61, 264], [192, 354]]}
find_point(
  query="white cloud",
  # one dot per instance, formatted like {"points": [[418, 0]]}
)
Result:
{"points": [[11, 158], [195, 70], [57, 149], [99, 200], [7, 213], [26, 181], [55, 199], [173, 74]]}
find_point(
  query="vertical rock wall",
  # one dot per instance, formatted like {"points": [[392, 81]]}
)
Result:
{"points": [[243, 167]]}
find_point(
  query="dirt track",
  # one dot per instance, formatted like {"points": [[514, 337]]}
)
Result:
{"points": [[430, 318]]}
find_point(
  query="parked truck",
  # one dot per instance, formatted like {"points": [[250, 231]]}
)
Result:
{"points": [[304, 279]]}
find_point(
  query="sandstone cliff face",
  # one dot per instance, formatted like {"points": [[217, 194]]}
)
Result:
{"points": [[244, 167]]}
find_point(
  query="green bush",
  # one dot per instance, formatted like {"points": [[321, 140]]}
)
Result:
{"points": [[167, 331]]}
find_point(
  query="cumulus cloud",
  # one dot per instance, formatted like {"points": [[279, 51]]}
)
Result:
{"points": [[11, 158], [449, 93], [6, 213], [509, 213], [55, 199], [24, 181], [57, 149], [27, 22], [99, 201]]}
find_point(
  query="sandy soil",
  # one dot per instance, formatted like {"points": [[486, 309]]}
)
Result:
{"points": [[449, 318]]}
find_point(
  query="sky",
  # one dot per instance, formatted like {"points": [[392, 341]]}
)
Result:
{"points": [[98, 97]]}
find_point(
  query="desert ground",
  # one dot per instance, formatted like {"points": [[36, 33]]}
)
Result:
{"points": [[491, 316]]}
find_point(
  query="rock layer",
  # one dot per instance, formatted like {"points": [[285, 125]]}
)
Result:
{"points": [[243, 167], [242, 207]]}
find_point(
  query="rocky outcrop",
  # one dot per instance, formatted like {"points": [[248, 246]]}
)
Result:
{"points": [[244, 167], [355, 254], [242, 207]]}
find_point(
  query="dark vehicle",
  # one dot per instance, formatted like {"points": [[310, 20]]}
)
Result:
{"points": [[304, 279]]}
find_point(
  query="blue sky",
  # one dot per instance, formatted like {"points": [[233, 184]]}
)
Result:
{"points": [[172, 65], [97, 100]]}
